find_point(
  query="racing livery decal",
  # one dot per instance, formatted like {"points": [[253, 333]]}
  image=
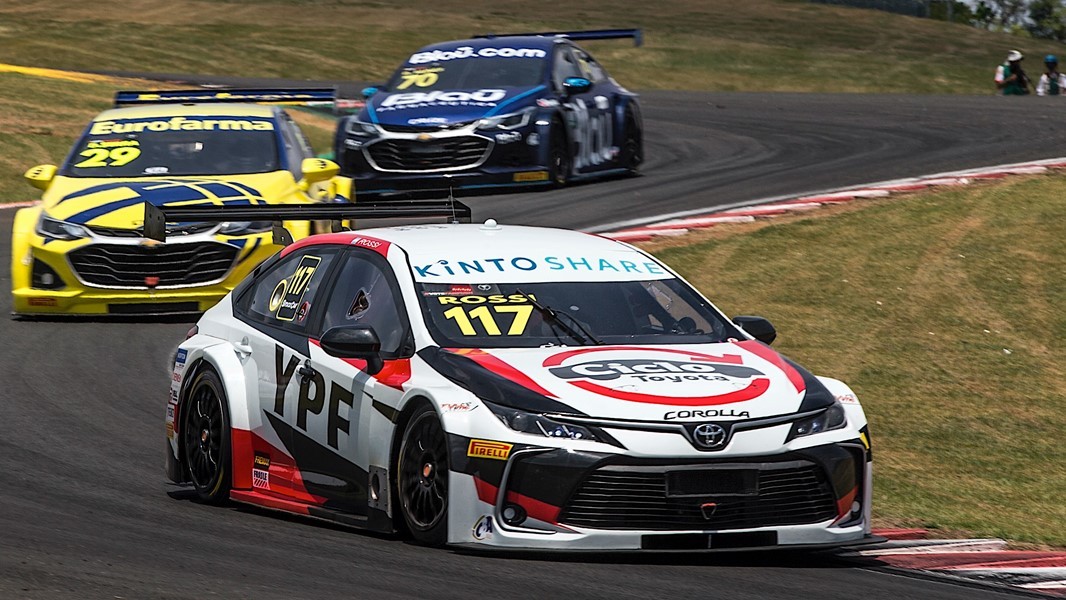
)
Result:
{"points": [[614, 373], [487, 449]]}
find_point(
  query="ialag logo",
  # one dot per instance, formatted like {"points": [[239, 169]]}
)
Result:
{"points": [[659, 375]]}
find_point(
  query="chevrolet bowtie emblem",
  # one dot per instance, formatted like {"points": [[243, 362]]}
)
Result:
{"points": [[150, 243], [424, 137]]}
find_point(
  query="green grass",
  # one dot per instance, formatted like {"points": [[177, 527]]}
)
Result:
{"points": [[759, 45], [944, 311]]}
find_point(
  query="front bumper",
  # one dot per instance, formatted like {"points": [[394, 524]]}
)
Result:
{"points": [[68, 292], [555, 499], [392, 163]]}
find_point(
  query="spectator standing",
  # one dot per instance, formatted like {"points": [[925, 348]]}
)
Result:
{"points": [[1052, 82], [1011, 78]]}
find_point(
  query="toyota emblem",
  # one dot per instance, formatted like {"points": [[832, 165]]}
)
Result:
{"points": [[709, 435]]}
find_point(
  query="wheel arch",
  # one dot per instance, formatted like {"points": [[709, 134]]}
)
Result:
{"points": [[402, 419], [21, 238], [224, 362]]}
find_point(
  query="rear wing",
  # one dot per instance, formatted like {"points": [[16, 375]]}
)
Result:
{"points": [[306, 97], [156, 217], [591, 34]]}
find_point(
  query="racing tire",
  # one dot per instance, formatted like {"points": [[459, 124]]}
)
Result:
{"points": [[422, 478], [559, 159], [632, 146], [206, 438]]}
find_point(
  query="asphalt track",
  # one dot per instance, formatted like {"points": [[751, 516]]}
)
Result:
{"points": [[85, 511]]}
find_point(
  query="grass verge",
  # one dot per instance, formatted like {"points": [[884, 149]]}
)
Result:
{"points": [[944, 311], [757, 45]]}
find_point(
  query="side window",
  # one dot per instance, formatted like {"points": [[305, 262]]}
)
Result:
{"points": [[302, 143], [294, 144], [285, 295], [565, 66], [367, 294], [590, 69]]}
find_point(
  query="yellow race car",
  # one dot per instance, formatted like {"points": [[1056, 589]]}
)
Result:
{"points": [[82, 250]]}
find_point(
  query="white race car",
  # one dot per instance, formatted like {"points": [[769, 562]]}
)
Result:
{"points": [[511, 387]]}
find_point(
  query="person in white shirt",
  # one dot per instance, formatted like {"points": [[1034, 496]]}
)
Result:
{"points": [[1011, 79], [1052, 82]]}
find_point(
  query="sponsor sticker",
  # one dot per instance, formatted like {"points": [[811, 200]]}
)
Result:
{"points": [[261, 472], [449, 407], [527, 264], [485, 97], [482, 529], [287, 295], [660, 376], [181, 124], [847, 399], [487, 449], [462, 52], [531, 176]]}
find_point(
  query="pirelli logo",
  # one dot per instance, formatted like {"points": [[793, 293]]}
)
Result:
{"points": [[486, 449]]}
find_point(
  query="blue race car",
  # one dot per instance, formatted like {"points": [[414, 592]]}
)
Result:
{"points": [[494, 111]]}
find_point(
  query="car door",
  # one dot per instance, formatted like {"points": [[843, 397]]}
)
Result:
{"points": [[364, 293], [588, 114], [277, 311]]}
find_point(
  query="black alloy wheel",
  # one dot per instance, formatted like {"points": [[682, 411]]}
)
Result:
{"points": [[632, 146], [206, 437], [423, 478], [558, 156]]}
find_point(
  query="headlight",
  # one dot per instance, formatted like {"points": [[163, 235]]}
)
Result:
{"points": [[245, 227], [362, 127], [60, 230], [511, 121], [827, 420], [528, 422]]}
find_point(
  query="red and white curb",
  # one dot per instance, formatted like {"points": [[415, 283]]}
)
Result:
{"points": [[676, 224], [18, 204], [983, 561]]}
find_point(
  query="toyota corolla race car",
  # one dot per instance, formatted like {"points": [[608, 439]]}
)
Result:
{"points": [[506, 110], [511, 387], [81, 250]]}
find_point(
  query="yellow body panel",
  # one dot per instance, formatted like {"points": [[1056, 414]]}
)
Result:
{"points": [[113, 203]]}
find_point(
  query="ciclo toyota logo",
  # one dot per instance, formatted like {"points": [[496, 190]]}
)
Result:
{"points": [[709, 435], [666, 376]]}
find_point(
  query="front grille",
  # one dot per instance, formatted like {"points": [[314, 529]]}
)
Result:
{"points": [[620, 498], [423, 128], [129, 266], [433, 155], [172, 230]]}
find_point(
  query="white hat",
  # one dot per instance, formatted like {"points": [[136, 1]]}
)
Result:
{"points": [[1014, 55]]}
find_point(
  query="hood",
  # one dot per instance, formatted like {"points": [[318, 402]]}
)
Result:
{"points": [[117, 203], [441, 108], [727, 381]]}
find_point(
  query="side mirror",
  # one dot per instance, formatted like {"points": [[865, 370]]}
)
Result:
{"points": [[354, 341], [758, 327], [369, 91], [41, 176], [316, 170], [576, 85]]}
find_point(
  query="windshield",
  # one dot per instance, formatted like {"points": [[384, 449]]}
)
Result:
{"points": [[196, 145], [468, 73], [516, 315]]}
